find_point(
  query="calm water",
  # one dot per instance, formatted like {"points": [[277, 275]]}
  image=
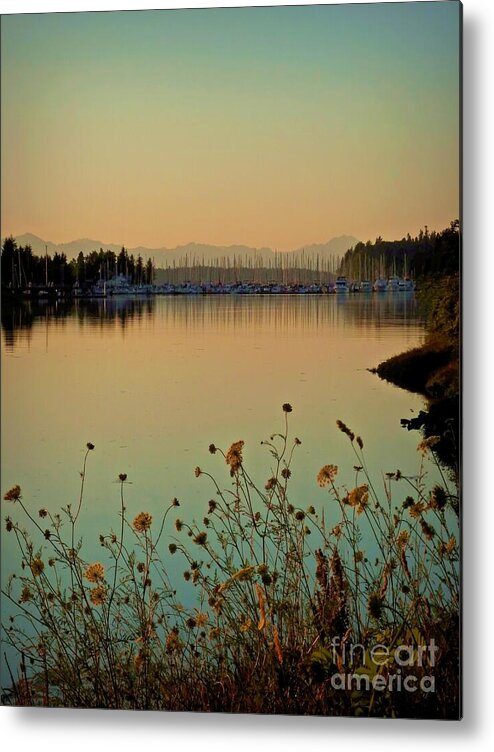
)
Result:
{"points": [[153, 382]]}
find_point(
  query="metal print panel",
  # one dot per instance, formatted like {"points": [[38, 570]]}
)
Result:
{"points": [[230, 276]]}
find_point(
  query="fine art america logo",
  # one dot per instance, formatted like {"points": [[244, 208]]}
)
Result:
{"points": [[381, 668]]}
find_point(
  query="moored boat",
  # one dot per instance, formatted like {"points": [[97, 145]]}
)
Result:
{"points": [[341, 285]]}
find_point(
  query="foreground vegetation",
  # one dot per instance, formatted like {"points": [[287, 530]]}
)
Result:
{"points": [[288, 601]]}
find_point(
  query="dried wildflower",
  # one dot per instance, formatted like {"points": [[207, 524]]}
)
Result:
{"points": [[385, 580], [270, 484], [427, 529], [173, 642], [26, 594], [243, 574], [211, 506], [300, 515], [287, 408], [175, 502], [14, 494], [277, 645], [172, 548], [9, 526], [404, 563], [201, 618], [234, 457], [214, 633], [142, 522], [409, 502], [416, 510], [51, 562], [197, 472], [326, 475], [438, 498], [337, 532], [201, 538], [450, 545], [43, 513], [141, 567], [358, 468], [375, 606], [427, 444], [191, 623], [95, 572], [47, 534], [90, 446], [98, 595], [178, 525], [186, 575], [359, 498], [37, 566], [212, 449], [402, 539], [359, 556], [206, 521], [286, 473], [360, 442], [122, 477], [262, 607], [344, 429], [297, 441]]}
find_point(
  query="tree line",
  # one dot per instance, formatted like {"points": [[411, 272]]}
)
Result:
{"points": [[429, 254], [20, 267]]}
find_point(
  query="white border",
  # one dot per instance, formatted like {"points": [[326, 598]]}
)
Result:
{"points": [[48, 730]]}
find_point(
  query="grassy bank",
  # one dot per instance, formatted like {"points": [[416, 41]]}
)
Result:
{"points": [[293, 613], [433, 369]]}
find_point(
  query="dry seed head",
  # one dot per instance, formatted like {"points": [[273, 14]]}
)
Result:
{"points": [[37, 567], [98, 595], [326, 475], [234, 456], [95, 572], [142, 522], [13, 494]]}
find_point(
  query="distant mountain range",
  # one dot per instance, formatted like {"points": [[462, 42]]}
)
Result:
{"points": [[164, 256]]}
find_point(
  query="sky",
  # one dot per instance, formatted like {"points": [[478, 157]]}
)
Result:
{"points": [[276, 127]]}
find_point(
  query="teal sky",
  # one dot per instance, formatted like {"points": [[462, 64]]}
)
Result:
{"points": [[268, 126]]}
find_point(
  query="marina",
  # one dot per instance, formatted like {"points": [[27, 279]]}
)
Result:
{"points": [[120, 286]]}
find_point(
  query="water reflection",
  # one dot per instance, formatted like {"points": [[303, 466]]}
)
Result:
{"points": [[281, 312]]}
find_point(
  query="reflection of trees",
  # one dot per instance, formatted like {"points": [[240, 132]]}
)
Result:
{"points": [[221, 312], [16, 318], [108, 312], [20, 318], [285, 312]]}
